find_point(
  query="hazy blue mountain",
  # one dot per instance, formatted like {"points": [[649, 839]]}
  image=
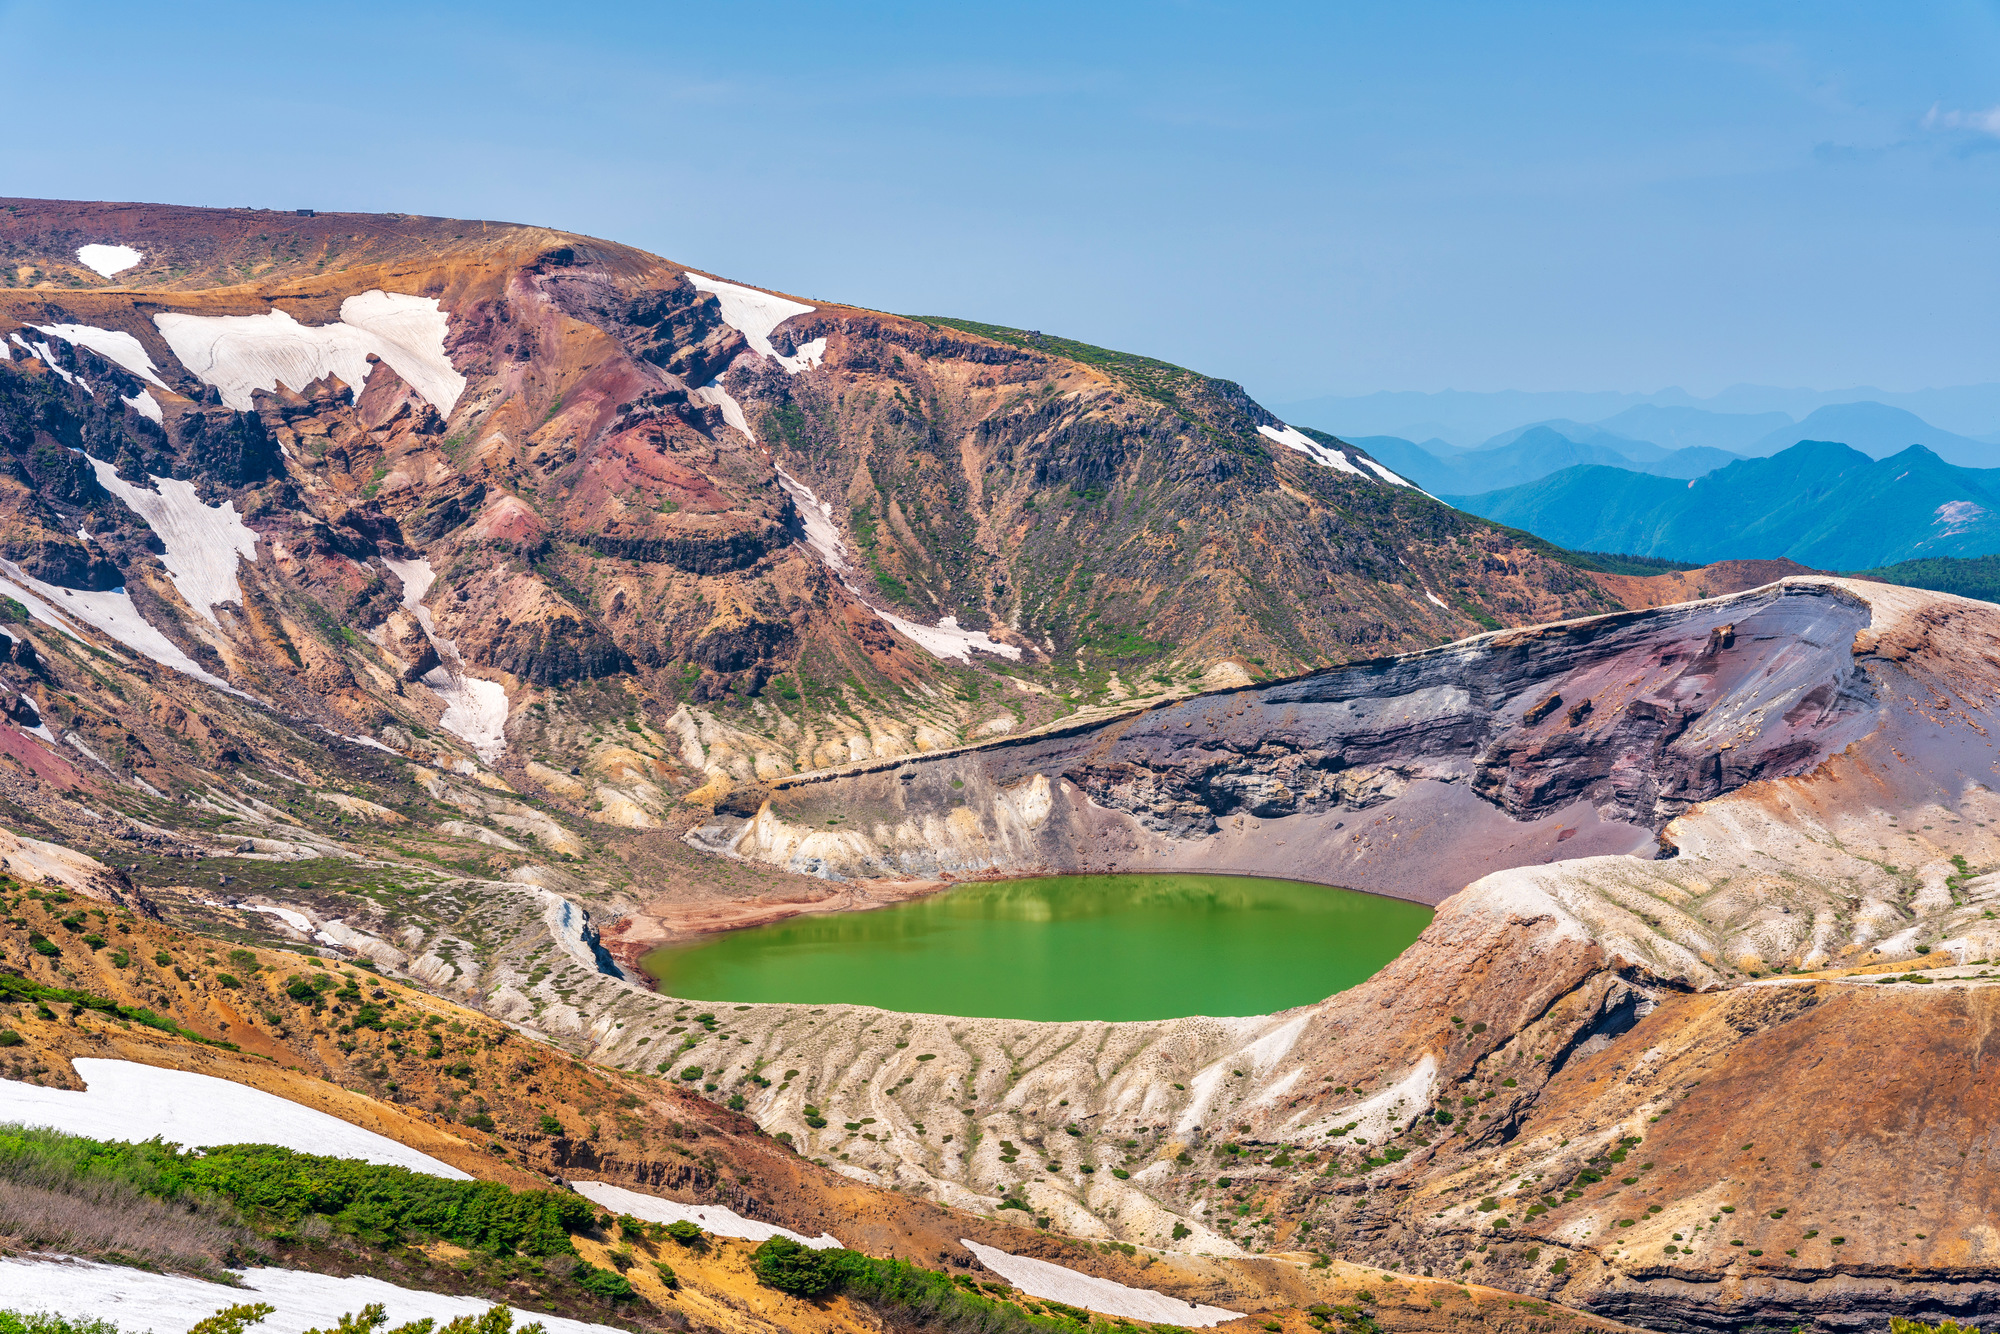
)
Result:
{"points": [[1465, 418], [1695, 428], [1583, 433], [1533, 453], [1820, 503], [1878, 430]]}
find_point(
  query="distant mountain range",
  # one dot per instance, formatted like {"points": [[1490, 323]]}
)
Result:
{"points": [[1672, 418], [1820, 503], [1532, 453]]}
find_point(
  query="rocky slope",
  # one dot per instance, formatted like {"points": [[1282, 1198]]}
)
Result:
{"points": [[1592, 1076], [487, 552], [404, 589]]}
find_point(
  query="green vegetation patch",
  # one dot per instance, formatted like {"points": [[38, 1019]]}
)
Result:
{"points": [[1967, 577]]}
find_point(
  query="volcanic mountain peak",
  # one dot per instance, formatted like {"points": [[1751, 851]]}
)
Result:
{"points": [[808, 533]]}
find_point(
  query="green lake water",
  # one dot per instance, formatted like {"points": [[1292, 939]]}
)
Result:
{"points": [[1065, 947]]}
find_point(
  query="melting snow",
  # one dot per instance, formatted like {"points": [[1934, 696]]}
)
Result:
{"points": [[112, 612], [754, 314], [135, 1300], [708, 1217], [123, 1100], [109, 260], [1040, 1278], [732, 411], [114, 345], [474, 710], [943, 640], [145, 405], [42, 350], [1294, 438], [1386, 475], [1435, 598], [202, 541], [241, 354]]}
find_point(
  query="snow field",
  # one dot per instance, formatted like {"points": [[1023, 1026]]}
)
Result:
{"points": [[708, 1217], [202, 541], [1039, 1278], [111, 612], [146, 406], [123, 1100], [1293, 438], [475, 711], [755, 314], [138, 1302], [108, 260], [113, 345], [241, 354]]}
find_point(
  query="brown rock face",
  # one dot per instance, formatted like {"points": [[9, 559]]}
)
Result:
{"points": [[1410, 775], [601, 506]]}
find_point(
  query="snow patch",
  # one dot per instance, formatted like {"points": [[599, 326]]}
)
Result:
{"points": [[1384, 473], [732, 411], [708, 1217], [146, 406], [202, 541], [1293, 438], [1054, 1282], [475, 711], [755, 314], [242, 354], [108, 260], [135, 1300], [41, 349], [1435, 598], [127, 1101], [111, 612], [114, 345], [945, 640], [298, 921]]}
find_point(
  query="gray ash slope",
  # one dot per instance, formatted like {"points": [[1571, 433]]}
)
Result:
{"points": [[1409, 776]]}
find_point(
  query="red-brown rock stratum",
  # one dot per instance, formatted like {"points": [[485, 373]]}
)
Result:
{"points": [[489, 602]]}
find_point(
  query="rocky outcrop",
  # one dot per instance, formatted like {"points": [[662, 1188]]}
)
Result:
{"points": [[1409, 775]]}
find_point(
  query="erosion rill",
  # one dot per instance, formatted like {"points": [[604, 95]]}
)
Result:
{"points": [[489, 604], [1693, 825]]}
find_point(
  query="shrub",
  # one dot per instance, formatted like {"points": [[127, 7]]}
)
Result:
{"points": [[692, 1073], [688, 1235], [549, 1125], [603, 1283], [668, 1277], [1181, 1230], [9, 1038], [795, 1268]]}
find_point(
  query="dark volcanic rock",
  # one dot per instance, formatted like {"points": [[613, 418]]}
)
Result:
{"points": [[1408, 775]]}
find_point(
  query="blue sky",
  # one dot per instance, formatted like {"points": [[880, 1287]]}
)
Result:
{"points": [[1312, 199]]}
